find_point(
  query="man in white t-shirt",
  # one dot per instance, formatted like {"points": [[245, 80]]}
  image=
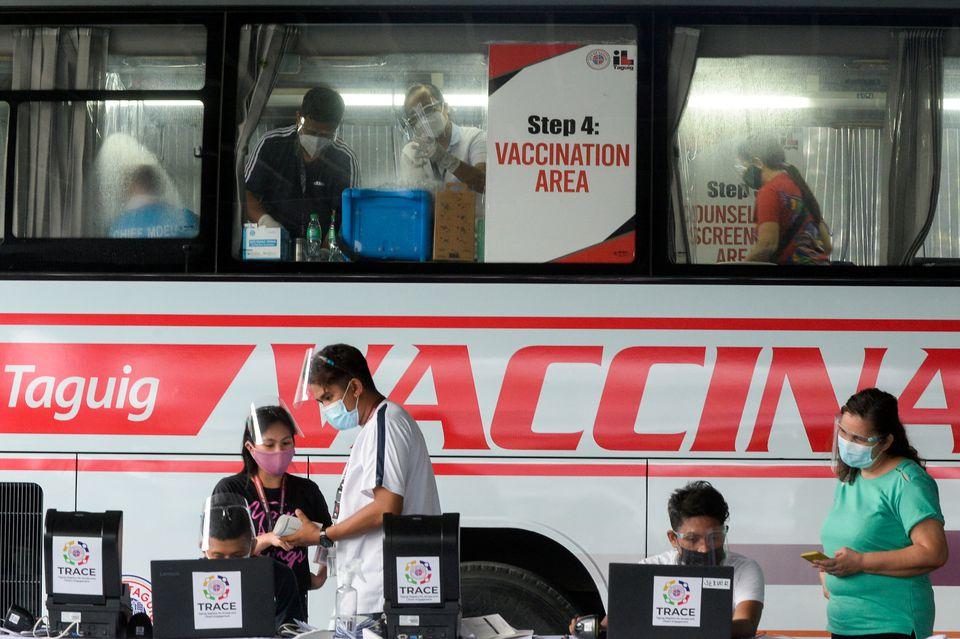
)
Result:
{"points": [[698, 518], [441, 152], [389, 469]]}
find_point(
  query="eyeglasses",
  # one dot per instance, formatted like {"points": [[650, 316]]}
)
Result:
{"points": [[412, 120], [713, 538], [853, 437]]}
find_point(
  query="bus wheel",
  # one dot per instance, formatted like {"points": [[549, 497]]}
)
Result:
{"points": [[521, 597]]}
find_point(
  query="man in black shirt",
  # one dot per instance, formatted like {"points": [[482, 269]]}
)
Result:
{"points": [[228, 534], [302, 169]]}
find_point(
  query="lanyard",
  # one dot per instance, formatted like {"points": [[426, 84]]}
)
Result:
{"points": [[263, 495]]}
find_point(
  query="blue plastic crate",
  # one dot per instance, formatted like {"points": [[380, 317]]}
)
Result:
{"points": [[388, 225]]}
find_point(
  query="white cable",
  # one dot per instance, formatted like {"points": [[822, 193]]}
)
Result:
{"points": [[37, 624], [67, 630]]}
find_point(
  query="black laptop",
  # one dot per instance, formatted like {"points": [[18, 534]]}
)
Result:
{"points": [[213, 598], [650, 601]]}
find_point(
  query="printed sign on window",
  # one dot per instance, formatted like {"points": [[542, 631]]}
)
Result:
{"points": [[676, 601], [217, 600], [78, 565], [418, 580], [561, 152]]}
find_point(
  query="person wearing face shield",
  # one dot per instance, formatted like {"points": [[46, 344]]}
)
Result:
{"points": [[698, 520], [226, 532], [268, 449], [441, 151], [303, 168], [884, 534], [790, 226], [389, 469]]}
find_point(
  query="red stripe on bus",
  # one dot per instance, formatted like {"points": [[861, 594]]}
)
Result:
{"points": [[481, 322], [488, 469], [28, 463]]}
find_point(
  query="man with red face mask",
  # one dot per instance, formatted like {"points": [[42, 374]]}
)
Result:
{"points": [[268, 449]]}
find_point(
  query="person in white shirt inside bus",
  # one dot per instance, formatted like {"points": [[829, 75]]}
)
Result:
{"points": [[441, 151], [698, 520], [389, 470]]}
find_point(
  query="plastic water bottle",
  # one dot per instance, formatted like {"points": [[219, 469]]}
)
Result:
{"points": [[314, 242], [334, 254]]}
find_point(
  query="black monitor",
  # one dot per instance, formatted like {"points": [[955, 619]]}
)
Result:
{"points": [[83, 557], [421, 575]]}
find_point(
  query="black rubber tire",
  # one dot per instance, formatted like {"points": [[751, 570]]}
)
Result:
{"points": [[521, 597]]}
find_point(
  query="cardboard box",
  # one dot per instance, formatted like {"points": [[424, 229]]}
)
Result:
{"points": [[454, 225], [261, 243]]}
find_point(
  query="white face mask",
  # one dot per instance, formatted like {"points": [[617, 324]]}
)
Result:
{"points": [[314, 145]]}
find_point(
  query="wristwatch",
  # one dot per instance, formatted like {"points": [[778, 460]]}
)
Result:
{"points": [[325, 541]]}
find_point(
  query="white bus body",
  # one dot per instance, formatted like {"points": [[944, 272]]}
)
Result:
{"points": [[567, 410]]}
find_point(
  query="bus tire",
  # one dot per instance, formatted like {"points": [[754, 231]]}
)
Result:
{"points": [[521, 597]]}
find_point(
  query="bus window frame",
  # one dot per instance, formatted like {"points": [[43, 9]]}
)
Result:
{"points": [[640, 19], [167, 255], [663, 268]]}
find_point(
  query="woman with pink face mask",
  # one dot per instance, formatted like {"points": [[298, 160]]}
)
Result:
{"points": [[268, 450]]}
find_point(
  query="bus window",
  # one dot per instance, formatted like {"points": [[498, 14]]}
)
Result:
{"points": [[4, 126], [792, 149], [114, 168], [437, 142], [942, 244], [125, 57]]}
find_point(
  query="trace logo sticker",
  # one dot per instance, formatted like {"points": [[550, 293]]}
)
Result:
{"points": [[676, 592], [598, 59], [676, 600], [216, 587], [76, 553], [418, 580], [418, 572]]}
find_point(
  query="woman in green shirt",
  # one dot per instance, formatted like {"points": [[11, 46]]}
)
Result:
{"points": [[885, 532]]}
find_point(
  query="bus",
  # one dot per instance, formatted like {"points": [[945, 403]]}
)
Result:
{"points": [[597, 337]]}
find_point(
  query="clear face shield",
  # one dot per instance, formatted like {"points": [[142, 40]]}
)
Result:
{"points": [[272, 430], [303, 395], [271, 424], [853, 449], [226, 528], [335, 412], [422, 121], [702, 547]]}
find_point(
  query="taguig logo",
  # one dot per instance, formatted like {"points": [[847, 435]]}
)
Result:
{"points": [[76, 553], [215, 587], [418, 572], [676, 592]]}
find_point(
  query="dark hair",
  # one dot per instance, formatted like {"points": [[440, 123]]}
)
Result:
{"points": [[769, 151], [322, 104], [147, 178], [268, 415], [229, 521], [696, 499], [424, 86], [337, 364], [879, 408]]}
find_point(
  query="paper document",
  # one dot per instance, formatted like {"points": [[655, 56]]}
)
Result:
{"points": [[490, 627]]}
